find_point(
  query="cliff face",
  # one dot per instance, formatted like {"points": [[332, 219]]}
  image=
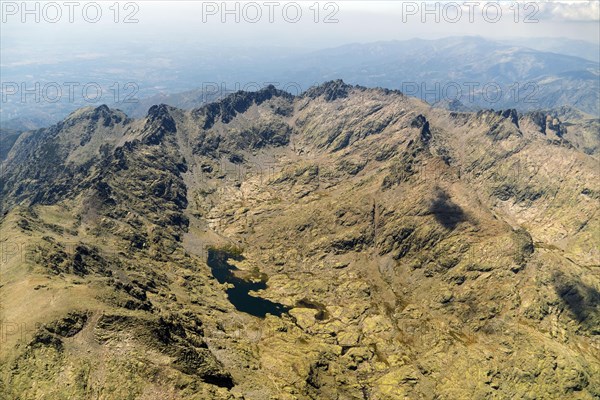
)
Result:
{"points": [[397, 250]]}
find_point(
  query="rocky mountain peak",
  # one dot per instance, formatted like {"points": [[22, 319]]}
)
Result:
{"points": [[160, 116], [511, 114], [547, 122], [158, 111], [237, 103], [159, 122], [330, 91], [102, 115]]}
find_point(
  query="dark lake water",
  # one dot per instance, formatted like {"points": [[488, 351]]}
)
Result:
{"points": [[239, 295]]}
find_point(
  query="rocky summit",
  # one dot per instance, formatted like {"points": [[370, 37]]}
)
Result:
{"points": [[347, 243]]}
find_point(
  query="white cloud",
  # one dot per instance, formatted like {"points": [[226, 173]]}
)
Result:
{"points": [[561, 10], [581, 11]]}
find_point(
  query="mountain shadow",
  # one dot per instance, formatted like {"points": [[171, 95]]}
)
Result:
{"points": [[582, 300], [445, 211]]}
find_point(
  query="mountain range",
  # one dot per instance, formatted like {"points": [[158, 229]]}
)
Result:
{"points": [[344, 243], [525, 74]]}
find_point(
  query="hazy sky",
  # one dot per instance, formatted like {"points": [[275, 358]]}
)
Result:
{"points": [[172, 46], [153, 24]]}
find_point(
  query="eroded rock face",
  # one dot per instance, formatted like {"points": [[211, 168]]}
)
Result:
{"points": [[547, 123], [416, 253]]}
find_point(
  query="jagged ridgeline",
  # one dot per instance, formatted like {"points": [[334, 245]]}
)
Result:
{"points": [[364, 245]]}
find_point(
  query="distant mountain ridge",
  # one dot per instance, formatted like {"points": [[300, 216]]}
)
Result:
{"points": [[570, 47], [528, 79], [432, 70]]}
